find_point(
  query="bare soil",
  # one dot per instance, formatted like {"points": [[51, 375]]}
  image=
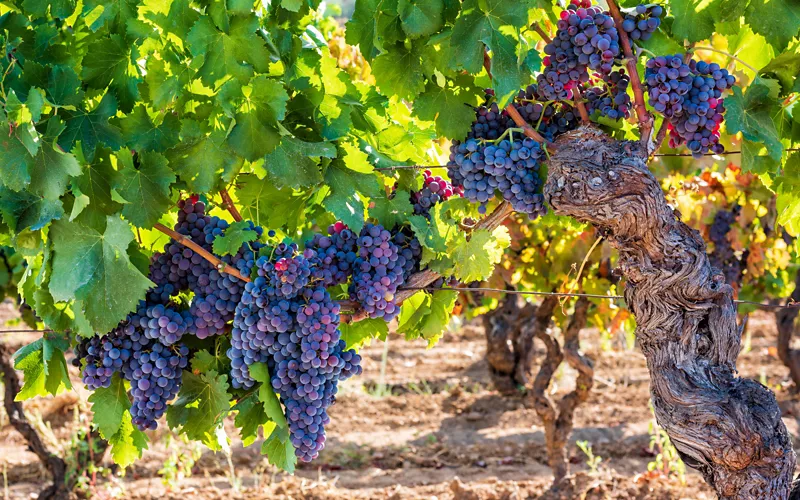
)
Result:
{"points": [[436, 430]]}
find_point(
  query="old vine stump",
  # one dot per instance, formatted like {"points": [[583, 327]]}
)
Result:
{"points": [[509, 351], [727, 427]]}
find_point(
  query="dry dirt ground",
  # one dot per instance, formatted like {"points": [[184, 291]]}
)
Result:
{"points": [[438, 430]]}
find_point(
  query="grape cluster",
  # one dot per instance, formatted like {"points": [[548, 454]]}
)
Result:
{"points": [[690, 97], [162, 323], [295, 330], [549, 119], [489, 124], [511, 167], [378, 273], [410, 249], [642, 22], [335, 253], [586, 39], [103, 356], [155, 372], [723, 257], [610, 97], [434, 189]]}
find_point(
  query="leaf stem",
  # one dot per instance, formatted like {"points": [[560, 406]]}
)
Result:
{"points": [[538, 29]]}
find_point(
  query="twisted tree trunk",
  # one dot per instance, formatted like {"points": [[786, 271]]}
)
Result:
{"points": [[509, 351], [784, 319], [558, 418], [58, 490], [728, 428]]}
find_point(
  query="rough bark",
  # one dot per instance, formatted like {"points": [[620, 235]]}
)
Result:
{"points": [[784, 319], [558, 418], [54, 464], [728, 428], [510, 358]]}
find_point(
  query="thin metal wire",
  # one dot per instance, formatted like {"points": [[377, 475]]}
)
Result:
{"points": [[587, 295]]}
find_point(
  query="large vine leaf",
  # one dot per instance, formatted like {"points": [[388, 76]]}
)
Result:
{"points": [[201, 405], [94, 267], [145, 189], [44, 367]]}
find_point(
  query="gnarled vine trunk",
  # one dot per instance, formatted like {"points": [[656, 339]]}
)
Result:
{"points": [[509, 349], [728, 428]]}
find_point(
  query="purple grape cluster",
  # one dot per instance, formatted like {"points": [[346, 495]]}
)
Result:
{"points": [[409, 247], [690, 98], [335, 254], [642, 22], [434, 190], [162, 323], [511, 167], [610, 97], [295, 331], [586, 39], [378, 273], [103, 356], [489, 124], [155, 372]]}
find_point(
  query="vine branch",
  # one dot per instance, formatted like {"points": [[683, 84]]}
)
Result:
{"points": [[581, 107], [542, 33], [227, 204], [187, 242], [645, 119]]}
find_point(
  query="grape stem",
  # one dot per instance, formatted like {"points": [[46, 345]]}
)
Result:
{"points": [[538, 29], [581, 107], [645, 119], [227, 204], [187, 242], [711, 49], [507, 133]]}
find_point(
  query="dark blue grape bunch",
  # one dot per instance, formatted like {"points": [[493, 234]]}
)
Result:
{"points": [[378, 273], [162, 323], [489, 124], [551, 119], [435, 189], [155, 372], [335, 254], [409, 247], [690, 98], [102, 357], [642, 22], [610, 95], [586, 39]]}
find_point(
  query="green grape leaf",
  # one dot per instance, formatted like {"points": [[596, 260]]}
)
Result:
{"points": [[391, 210], [95, 183], [236, 235], [412, 312], [202, 403], [787, 186], [421, 17], [357, 335], [294, 162], [23, 210], [44, 367], [145, 188], [279, 450], [237, 53], [92, 128], [252, 138], [786, 68], [777, 20], [109, 64], [94, 267], [200, 162], [15, 160], [694, 20], [435, 232], [115, 13], [64, 87], [399, 72], [349, 191], [449, 107], [441, 309], [128, 443], [58, 8], [249, 417], [751, 114], [475, 258], [262, 203], [51, 170], [267, 396], [360, 29], [141, 134], [109, 405]]}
